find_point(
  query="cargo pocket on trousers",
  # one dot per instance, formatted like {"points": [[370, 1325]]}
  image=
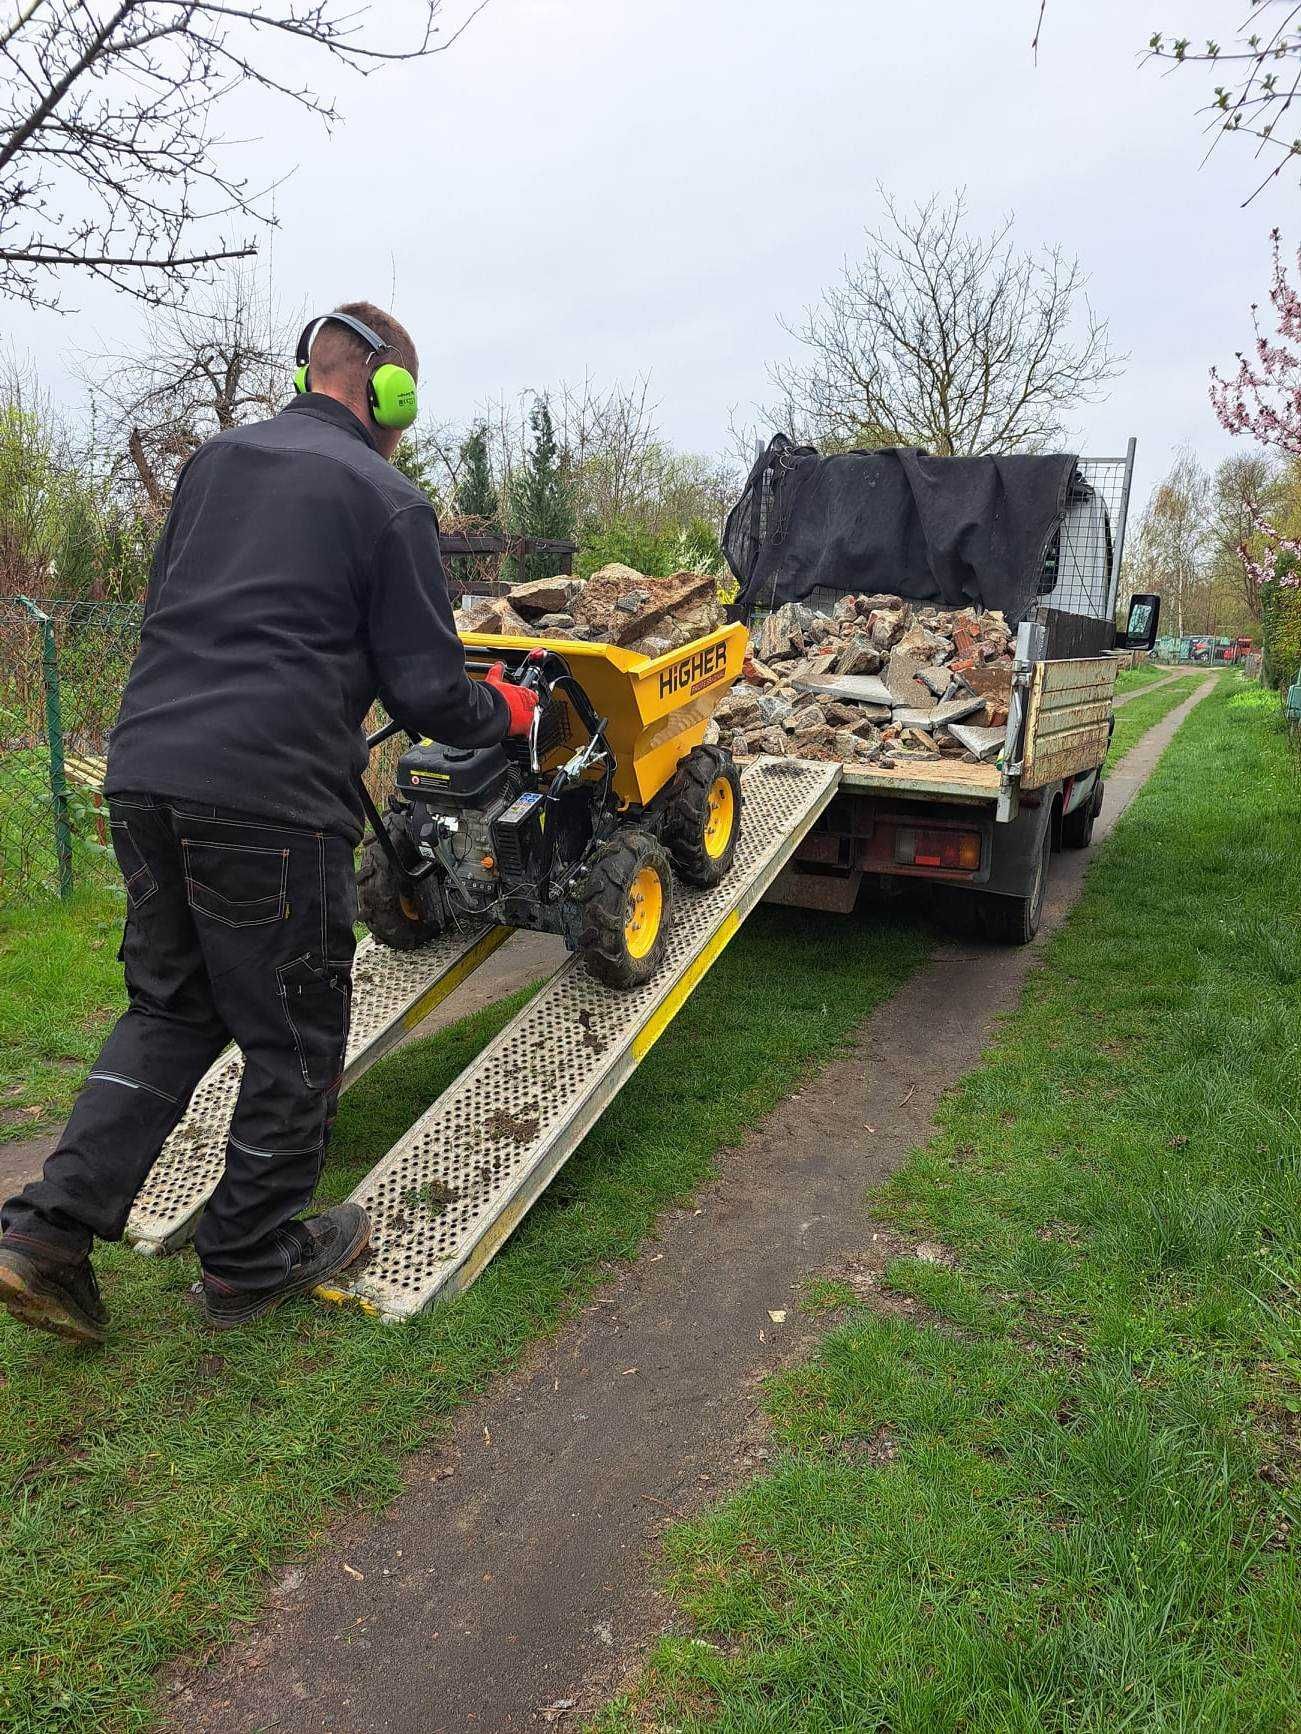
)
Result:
{"points": [[235, 883], [136, 873], [317, 1002]]}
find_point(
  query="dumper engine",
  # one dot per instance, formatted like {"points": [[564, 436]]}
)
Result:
{"points": [[470, 809]]}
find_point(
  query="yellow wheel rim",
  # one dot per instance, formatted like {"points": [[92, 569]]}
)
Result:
{"points": [[645, 912], [720, 818]]}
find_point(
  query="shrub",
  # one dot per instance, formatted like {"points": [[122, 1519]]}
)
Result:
{"points": [[693, 547], [1280, 618]]}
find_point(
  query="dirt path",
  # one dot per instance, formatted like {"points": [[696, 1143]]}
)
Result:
{"points": [[509, 1584], [1152, 686]]}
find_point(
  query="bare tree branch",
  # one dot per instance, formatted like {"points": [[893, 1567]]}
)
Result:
{"points": [[1263, 82], [108, 164]]}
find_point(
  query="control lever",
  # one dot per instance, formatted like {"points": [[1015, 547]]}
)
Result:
{"points": [[531, 679]]}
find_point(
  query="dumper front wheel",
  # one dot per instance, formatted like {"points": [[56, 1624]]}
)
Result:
{"points": [[398, 913], [626, 903], [703, 821]]}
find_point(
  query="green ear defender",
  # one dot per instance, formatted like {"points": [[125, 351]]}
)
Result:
{"points": [[391, 391], [392, 396]]}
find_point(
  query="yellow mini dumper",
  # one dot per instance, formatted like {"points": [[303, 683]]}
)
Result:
{"points": [[573, 830]]}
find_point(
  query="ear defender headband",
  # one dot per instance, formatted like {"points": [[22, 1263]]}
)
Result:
{"points": [[390, 390]]}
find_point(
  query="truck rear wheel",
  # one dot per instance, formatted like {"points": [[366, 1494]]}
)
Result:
{"points": [[1015, 920], [703, 820], [398, 913], [1077, 827], [626, 901]]}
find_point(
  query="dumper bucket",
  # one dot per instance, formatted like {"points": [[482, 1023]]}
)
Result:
{"points": [[656, 707]]}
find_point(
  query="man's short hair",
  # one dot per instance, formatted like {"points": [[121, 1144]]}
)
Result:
{"points": [[340, 353]]}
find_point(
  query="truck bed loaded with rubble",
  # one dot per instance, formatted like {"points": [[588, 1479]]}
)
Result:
{"points": [[967, 700], [877, 679]]}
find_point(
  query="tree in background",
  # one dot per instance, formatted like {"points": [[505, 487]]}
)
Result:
{"points": [[109, 160], [633, 496], [1188, 546], [475, 495], [1245, 488], [540, 501], [199, 368], [947, 340], [1263, 400], [1172, 543], [419, 457]]}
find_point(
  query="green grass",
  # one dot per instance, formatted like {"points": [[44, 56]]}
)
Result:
{"points": [[60, 988], [1134, 720], [150, 1488], [1058, 1496], [1135, 679]]}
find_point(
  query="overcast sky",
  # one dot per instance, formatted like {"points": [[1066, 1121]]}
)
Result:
{"points": [[615, 187]]}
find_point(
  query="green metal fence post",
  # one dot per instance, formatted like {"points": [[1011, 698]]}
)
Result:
{"points": [[54, 729]]}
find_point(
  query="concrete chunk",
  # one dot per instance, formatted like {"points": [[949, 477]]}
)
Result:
{"points": [[848, 688], [545, 596], [985, 744], [937, 680], [905, 687], [858, 657], [954, 710]]}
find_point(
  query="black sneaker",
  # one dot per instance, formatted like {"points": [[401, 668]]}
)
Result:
{"points": [[63, 1299], [325, 1245]]}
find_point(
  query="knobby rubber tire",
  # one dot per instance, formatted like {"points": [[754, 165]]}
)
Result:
{"points": [[381, 890], [687, 816], [602, 900], [1015, 920]]}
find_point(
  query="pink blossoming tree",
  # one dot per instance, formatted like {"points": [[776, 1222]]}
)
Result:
{"points": [[1263, 399]]}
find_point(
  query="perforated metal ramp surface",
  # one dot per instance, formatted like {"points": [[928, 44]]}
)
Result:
{"points": [[391, 992], [452, 1189]]}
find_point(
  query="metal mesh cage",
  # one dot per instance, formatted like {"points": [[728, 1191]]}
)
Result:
{"points": [[1077, 594]]}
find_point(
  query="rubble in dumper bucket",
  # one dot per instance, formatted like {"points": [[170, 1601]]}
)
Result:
{"points": [[877, 681], [616, 605]]}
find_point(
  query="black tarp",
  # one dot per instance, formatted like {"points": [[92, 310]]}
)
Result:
{"points": [[952, 531]]}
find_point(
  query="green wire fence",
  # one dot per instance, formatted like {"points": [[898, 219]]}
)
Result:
{"points": [[63, 665]]}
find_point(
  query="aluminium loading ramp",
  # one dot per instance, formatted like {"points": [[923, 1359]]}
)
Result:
{"points": [[453, 1188], [392, 992]]}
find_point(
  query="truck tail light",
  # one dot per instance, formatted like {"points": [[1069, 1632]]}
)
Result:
{"points": [[950, 851]]}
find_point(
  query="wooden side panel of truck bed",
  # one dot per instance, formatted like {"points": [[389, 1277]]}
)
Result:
{"points": [[1068, 718]]}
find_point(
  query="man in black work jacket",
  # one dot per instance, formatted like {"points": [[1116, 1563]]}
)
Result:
{"points": [[297, 578]]}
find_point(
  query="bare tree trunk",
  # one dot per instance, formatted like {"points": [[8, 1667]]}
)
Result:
{"points": [[148, 480]]}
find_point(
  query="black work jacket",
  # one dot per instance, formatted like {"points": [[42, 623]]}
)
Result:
{"points": [[298, 577]]}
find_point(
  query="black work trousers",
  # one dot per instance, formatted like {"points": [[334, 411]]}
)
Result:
{"points": [[236, 930]]}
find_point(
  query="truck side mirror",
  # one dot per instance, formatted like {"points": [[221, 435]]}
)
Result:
{"points": [[1141, 628]]}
